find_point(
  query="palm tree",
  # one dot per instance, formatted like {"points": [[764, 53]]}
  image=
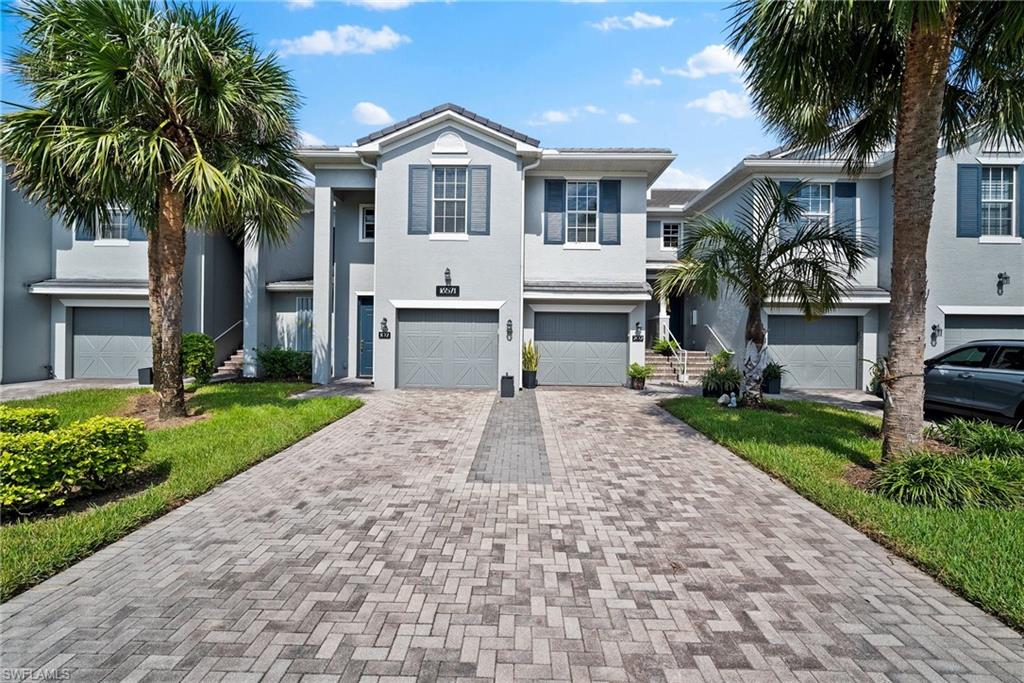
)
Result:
{"points": [[774, 255], [854, 78], [168, 110]]}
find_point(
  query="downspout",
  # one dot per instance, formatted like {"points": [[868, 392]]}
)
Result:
{"points": [[353, 352], [522, 271]]}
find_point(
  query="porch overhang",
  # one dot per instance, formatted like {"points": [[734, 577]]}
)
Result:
{"points": [[858, 296], [585, 291], [290, 286], [91, 287]]}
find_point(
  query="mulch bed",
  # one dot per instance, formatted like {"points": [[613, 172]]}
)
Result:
{"points": [[146, 407]]}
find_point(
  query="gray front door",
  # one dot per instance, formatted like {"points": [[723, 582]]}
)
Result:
{"points": [[963, 329], [448, 348], [582, 349], [111, 342], [817, 354]]}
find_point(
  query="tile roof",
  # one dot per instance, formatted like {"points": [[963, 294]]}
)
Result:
{"points": [[462, 111], [614, 150]]}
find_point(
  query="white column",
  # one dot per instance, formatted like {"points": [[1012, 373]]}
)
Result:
{"points": [[322, 286], [663, 318], [60, 329], [252, 284]]}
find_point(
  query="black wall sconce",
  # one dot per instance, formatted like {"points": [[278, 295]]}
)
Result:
{"points": [[638, 334], [1002, 279], [447, 276], [508, 329], [936, 333], [384, 333]]}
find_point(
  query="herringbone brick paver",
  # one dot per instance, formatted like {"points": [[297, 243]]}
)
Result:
{"points": [[369, 552]]}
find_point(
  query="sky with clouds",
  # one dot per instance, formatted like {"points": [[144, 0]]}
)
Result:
{"points": [[572, 74]]}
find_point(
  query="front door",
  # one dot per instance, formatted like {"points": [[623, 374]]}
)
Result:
{"points": [[675, 317], [364, 360]]}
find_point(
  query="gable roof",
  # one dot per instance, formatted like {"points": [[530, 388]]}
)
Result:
{"points": [[671, 197], [461, 111]]}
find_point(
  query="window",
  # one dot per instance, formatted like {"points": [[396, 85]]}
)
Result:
{"points": [[997, 200], [367, 226], [119, 225], [1009, 358], [816, 201], [670, 236], [449, 199], [581, 211], [967, 357]]}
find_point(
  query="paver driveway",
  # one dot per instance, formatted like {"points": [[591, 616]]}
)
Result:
{"points": [[369, 550]]}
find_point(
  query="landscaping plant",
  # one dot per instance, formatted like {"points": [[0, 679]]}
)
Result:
{"points": [[285, 364], [979, 437], [810, 262], [531, 358], [850, 79], [198, 359], [638, 375], [950, 482], [21, 420], [168, 110], [665, 347], [722, 377]]}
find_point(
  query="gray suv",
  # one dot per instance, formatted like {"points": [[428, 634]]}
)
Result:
{"points": [[983, 378]]}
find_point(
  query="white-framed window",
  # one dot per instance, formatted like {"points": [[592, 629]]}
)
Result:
{"points": [[997, 200], [118, 226], [581, 211], [449, 199], [816, 199], [670, 233], [367, 223]]}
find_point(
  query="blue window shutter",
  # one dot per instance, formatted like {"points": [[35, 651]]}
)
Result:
{"points": [[419, 200], [786, 186], [479, 209], [968, 200], [610, 218], [85, 230], [136, 233], [786, 230], [554, 211], [844, 207], [1020, 201]]}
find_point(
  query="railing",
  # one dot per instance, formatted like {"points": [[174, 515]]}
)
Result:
{"points": [[718, 339], [678, 352], [225, 332]]}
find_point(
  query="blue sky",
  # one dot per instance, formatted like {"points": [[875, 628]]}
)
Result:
{"points": [[568, 73]]}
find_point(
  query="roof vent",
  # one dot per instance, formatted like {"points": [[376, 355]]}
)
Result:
{"points": [[450, 143]]}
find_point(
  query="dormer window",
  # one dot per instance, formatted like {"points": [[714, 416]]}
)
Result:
{"points": [[449, 199]]}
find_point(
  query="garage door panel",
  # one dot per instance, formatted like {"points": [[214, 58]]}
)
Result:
{"points": [[963, 329], [447, 348], [820, 353], [111, 342], [581, 349]]}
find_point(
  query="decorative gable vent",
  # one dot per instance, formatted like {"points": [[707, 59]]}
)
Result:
{"points": [[450, 143]]}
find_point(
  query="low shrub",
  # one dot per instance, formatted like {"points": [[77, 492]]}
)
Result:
{"points": [[198, 357], [939, 481], [637, 371], [531, 357], [665, 347], [721, 380], [22, 420], [980, 438], [285, 364], [43, 468]]}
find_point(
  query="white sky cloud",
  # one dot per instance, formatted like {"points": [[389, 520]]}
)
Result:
{"points": [[371, 114], [636, 20], [637, 77], [565, 115], [381, 5], [625, 118], [711, 61], [732, 104], [593, 109], [344, 39], [675, 177], [307, 139], [300, 4]]}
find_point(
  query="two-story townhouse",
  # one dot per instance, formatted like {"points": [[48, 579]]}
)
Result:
{"points": [[440, 244], [974, 270], [74, 298]]}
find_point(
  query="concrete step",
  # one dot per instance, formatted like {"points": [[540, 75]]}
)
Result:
{"points": [[230, 368]]}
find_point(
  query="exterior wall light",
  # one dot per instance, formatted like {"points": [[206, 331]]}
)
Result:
{"points": [[1002, 279], [638, 334], [384, 333], [447, 276], [508, 329], [936, 333]]}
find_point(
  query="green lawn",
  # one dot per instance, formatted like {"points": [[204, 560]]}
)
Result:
{"points": [[248, 422], [979, 553]]}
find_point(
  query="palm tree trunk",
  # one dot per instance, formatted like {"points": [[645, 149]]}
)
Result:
{"points": [[155, 319], [917, 138], [753, 358], [170, 248]]}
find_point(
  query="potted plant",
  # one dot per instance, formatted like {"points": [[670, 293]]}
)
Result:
{"points": [[530, 360], [771, 378], [878, 370], [666, 347], [638, 375], [722, 377]]}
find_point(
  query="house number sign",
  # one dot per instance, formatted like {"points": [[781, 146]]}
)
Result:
{"points": [[447, 290]]}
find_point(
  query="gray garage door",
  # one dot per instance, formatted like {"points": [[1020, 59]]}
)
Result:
{"points": [[582, 349], [448, 349], [111, 342], [819, 354], [961, 329]]}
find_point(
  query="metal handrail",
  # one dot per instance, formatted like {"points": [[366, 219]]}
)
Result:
{"points": [[222, 334], [718, 339], [680, 354]]}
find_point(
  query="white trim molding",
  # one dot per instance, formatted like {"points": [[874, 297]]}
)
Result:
{"points": [[442, 304], [105, 303], [583, 308], [855, 312], [98, 290], [584, 296], [982, 310], [362, 222]]}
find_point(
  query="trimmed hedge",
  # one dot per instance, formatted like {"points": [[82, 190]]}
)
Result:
{"points": [[198, 357], [22, 420], [285, 364], [44, 468]]}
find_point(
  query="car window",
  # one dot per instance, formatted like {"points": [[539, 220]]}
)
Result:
{"points": [[1009, 358], [967, 357]]}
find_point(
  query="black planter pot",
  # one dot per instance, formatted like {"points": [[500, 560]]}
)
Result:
{"points": [[772, 386], [529, 379], [708, 393], [145, 376], [637, 382]]}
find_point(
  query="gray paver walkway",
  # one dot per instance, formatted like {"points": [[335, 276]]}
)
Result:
{"points": [[366, 551], [511, 449]]}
